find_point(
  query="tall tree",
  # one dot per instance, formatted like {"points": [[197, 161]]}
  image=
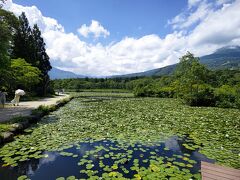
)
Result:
{"points": [[41, 59], [5, 37], [190, 72], [29, 45], [23, 41], [8, 24]]}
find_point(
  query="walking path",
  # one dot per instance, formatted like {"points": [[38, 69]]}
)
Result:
{"points": [[25, 108]]}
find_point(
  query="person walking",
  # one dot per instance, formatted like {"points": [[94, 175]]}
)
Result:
{"points": [[16, 99]]}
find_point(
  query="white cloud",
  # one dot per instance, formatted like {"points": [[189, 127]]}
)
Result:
{"points": [[191, 17], [219, 28], [212, 26], [34, 16], [221, 2], [192, 3], [95, 28]]}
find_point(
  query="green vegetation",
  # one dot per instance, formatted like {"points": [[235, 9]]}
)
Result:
{"points": [[106, 90], [135, 122], [192, 82], [91, 84], [4, 127], [131, 115], [24, 74], [44, 110], [195, 85], [7, 126], [40, 111], [23, 58], [103, 94]]}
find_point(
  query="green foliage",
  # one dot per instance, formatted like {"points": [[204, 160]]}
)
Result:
{"points": [[201, 95], [43, 110], [167, 91], [24, 74], [189, 72], [41, 60], [195, 85], [8, 23], [95, 83], [23, 41], [226, 96], [5, 36], [4, 127], [7, 126], [192, 82], [18, 40]]}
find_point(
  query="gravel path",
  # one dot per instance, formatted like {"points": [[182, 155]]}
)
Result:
{"points": [[25, 108]]}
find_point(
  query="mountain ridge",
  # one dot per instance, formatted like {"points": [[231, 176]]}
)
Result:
{"points": [[56, 73], [227, 57]]}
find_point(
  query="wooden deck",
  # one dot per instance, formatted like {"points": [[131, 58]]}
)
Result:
{"points": [[215, 172]]}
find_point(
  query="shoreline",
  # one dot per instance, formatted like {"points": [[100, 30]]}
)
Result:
{"points": [[32, 117]]}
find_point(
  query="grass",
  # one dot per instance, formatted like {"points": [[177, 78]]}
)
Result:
{"points": [[6, 126]]}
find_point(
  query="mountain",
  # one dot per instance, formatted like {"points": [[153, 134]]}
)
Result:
{"points": [[56, 73], [224, 58]]}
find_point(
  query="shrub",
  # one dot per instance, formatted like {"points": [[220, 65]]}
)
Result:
{"points": [[226, 96], [201, 95], [143, 91], [43, 110], [165, 92]]}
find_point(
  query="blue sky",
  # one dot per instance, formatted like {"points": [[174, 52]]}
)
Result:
{"points": [[110, 37], [133, 18]]}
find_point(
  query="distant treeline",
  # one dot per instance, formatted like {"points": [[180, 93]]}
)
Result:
{"points": [[24, 62], [95, 83], [192, 82]]}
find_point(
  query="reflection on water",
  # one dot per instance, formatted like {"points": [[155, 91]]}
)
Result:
{"points": [[56, 165]]}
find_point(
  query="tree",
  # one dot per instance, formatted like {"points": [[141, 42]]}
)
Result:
{"points": [[8, 24], [23, 41], [191, 77], [190, 72], [41, 59], [29, 45], [5, 36], [24, 75]]}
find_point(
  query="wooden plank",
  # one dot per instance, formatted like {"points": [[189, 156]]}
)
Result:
{"points": [[215, 166], [216, 172], [234, 173], [220, 174], [206, 176]]}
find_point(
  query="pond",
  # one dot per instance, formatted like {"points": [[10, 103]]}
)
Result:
{"points": [[141, 138], [107, 158]]}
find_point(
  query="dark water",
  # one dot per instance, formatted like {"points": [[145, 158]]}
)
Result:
{"points": [[57, 165]]}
